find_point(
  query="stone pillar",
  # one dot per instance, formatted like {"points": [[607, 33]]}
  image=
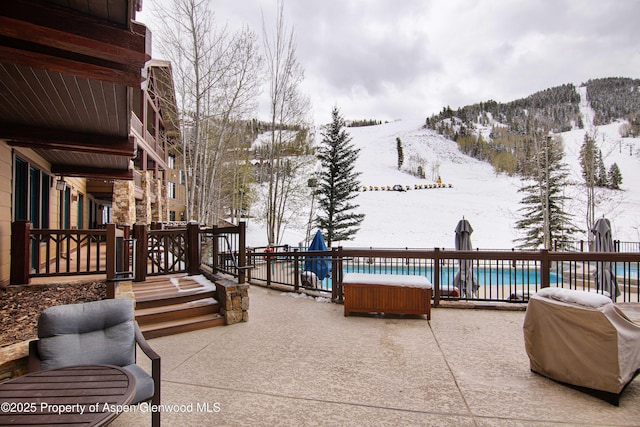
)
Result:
{"points": [[234, 301], [146, 200], [158, 208], [124, 202], [143, 207], [125, 290]]}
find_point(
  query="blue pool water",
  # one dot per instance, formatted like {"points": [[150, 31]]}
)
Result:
{"points": [[485, 276]]}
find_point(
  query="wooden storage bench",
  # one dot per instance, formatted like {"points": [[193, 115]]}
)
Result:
{"points": [[386, 293]]}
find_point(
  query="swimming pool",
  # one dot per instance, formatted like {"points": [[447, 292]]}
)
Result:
{"points": [[485, 276]]}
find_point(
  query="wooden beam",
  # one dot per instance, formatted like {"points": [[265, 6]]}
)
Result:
{"points": [[54, 139], [66, 29], [92, 172], [78, 66]]}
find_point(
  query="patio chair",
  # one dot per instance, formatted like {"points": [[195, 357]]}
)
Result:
{"points": [[98, 332], [583, 340]]}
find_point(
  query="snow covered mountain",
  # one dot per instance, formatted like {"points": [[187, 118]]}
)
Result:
{"points": [[427, 217]]}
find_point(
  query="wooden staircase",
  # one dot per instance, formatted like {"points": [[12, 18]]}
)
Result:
{"points": [[167, 305]]}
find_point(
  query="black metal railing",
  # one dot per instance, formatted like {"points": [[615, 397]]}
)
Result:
{"points": [[585, 246], [223, 250], [504, 276]]}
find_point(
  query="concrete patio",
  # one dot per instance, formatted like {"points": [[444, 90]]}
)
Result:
{"points": [[300, 362]]}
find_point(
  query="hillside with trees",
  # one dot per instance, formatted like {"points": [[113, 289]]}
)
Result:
{"points": [[613, 98], [501, 133]]}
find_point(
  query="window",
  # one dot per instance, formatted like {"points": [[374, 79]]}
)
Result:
{"points": [[183, 179], [171, 190], [21, 190], [31, 188], [172, 161], [172, 215]]}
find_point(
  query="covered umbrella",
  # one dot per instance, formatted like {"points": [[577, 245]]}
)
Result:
{"points": [[319, 265], [603, 242], [465, 280]]}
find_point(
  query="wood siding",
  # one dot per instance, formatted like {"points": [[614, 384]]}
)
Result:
{"points": [[6, 170]]}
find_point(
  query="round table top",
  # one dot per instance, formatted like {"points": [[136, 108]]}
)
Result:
{"points": [[86, 394]]}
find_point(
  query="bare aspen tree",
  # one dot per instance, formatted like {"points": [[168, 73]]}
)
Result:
{"points": [[288, 138], [217, 82]]}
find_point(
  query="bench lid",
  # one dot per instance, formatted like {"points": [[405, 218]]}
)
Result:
{"points": [[387, 280]]}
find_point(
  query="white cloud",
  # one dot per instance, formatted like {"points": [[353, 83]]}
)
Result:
{"points": [[386, 60]]}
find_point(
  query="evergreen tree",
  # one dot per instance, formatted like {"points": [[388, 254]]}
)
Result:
{"points": [[338, 183], [615, 177], [543, 217], [400, 152]]}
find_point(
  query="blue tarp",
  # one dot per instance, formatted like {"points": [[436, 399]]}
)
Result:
{"points": [[320, 266]]}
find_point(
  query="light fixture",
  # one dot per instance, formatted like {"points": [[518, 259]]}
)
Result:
{"points": [[61, 184]]}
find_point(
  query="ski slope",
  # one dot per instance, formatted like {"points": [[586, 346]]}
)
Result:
{"points": [[427, 218]]}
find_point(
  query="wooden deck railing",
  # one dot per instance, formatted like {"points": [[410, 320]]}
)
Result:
{"points": [[119, 254], [501, 275], [46, 253]]}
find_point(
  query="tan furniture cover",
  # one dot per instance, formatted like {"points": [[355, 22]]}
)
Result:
{"points": [[582, 339]]}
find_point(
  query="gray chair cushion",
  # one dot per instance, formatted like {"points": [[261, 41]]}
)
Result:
{"points": [[88, 333], [144, 383]]}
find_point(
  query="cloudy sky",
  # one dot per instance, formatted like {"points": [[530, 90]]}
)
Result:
{"points": [[394, 59]]}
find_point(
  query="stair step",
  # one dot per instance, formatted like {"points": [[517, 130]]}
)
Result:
{"points": [[162, 329], [201, 307], [156, 300]]}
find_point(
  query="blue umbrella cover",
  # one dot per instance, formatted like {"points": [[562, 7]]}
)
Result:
{"points": [[320, 266]]}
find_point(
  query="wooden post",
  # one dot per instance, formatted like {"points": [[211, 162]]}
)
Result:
{"points": [[20, 252], [296, 270], [269, 261], [193, 248], [545, 268], [242, 252], [142, 248], [111, 260], [336, 279], [215, 250]]}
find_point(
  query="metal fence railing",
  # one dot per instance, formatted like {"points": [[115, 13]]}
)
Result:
{"points": [[585, 246], [223, 250], [501, 276]]}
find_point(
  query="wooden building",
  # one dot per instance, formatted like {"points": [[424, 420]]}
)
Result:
{"points": [[83, 141]]}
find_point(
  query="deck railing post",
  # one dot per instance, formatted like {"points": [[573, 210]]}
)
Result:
{"points": [[215, 249], [111, 260], [193, 248], [141, 248], [296, 271], [336, 277], [269, 259], [20, 252], [242, 251], [545, 268], [436, 277]]}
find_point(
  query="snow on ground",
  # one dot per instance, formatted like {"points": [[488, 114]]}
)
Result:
{"points": [[427, 218]]}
